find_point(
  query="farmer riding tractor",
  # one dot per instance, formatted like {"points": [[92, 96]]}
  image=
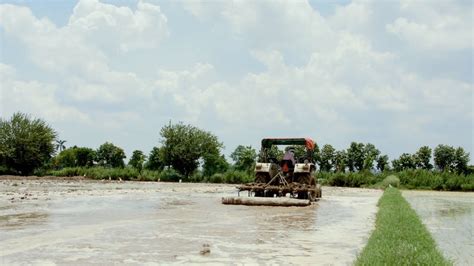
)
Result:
{"points": [[291, 175]]}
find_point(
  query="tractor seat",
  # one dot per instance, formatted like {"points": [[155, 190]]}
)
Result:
{"points": [[286, 165]]}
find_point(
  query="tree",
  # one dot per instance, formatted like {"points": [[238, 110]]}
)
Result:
{"points": [[66, 158], [244, 158], [75, 157], [25, 143], [299, 151], [355, 156], [214, 163], [444, 157], [85, 157], [110, 155], [340, 161], [60, 145], [382, 163], [370, 154], [137, 160], [184, 145], [317, 154], [327, 158], [155, 159], [461, 160], [423, 158], [406, 161], [272, 152]]}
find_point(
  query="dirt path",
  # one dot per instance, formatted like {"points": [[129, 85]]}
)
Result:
{"points": [[82, 221]]}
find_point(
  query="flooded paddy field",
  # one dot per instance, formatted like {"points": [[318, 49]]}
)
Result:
{"points": [[449, 216], [82, 221]]}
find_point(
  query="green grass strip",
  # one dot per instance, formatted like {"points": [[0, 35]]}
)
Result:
{"points": [[399, 237]]}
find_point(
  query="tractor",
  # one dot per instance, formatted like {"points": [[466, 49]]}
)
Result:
{"points": [[292, 175]]}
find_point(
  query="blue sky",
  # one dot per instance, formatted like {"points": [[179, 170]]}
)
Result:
{"points": [[397, 74]]}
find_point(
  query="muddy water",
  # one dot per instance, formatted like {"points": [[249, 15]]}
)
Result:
{"points": [[79, 222], [449, 218]]}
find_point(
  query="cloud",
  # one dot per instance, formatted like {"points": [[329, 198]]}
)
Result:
{"points": [[349, 75], [108, 26], [442, 25], [80, 51], [34, 97]]}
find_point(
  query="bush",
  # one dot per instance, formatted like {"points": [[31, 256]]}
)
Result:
{"points": [[170, 175], [391, 180], [216, 178], [230, 177], [351, 179]]}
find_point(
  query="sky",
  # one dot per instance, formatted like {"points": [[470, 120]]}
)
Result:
{"points": [[398, 74]]}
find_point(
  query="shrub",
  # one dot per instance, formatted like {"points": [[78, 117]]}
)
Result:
{"points": [[391, 180], [216, 178], [170, 175]]}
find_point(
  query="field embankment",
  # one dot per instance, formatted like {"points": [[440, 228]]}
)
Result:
{"points": [[399, 238], [407, 179]]}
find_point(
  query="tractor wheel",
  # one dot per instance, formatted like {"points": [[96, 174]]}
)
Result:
{"points": [[260, 178], [305, 179]]}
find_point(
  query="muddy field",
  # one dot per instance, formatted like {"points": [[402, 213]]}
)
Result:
{"points": [[83, 221], [449, 217]]}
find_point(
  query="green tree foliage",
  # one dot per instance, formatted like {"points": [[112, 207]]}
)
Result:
{"points": [[370, 155], [25, 143], [355, 156], [214, 163], [85, 157], [110, 155], [382, 163], [272, 152], [444, 157], [184, 145], [316, 154], [340, 161], [75, 157], [423, 158], [137, 160], [66, 158], [327, 158], [406, 161], [299, 151], [155, 159], [461, 160], [244, 158]]}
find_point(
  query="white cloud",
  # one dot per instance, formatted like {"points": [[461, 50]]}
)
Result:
{"points": [[110, 26], [333, 76], [34, 97], [79, 50], [441, 25]]}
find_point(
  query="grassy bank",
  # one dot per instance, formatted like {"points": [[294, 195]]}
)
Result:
{"points": [[409, 179], [399, 237], [168, 175]]}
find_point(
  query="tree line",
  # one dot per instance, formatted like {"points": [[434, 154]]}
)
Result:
{"points": [[29, 144]]}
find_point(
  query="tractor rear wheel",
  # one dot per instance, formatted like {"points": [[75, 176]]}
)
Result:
{"points": [[260, 178], [308, 180]]}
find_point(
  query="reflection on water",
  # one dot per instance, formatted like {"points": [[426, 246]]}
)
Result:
{"points": [[449, 218], [170, 223]]}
